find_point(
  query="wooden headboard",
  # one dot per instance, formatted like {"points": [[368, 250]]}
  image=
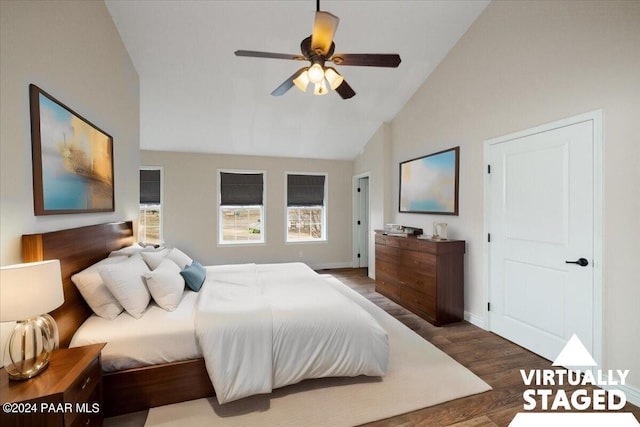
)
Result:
{"points": [[77, 249]]}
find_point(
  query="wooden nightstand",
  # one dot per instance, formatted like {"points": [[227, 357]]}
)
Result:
{"points": [[67, 393]]}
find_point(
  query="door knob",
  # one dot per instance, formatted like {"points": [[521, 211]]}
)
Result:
{"points": [[582, 262]]}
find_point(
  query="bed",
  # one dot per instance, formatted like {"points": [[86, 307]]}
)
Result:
{"points": [[131, 389]]}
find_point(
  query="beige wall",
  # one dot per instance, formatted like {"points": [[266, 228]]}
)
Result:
{"points": [[72, 50], [190, 208], [372, 161], [523, 64]]}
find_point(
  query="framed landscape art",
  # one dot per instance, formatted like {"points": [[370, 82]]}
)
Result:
{"points": [[72, 159], [429, 184]]}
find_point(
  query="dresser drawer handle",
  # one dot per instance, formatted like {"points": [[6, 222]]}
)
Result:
{"points": [[86, 382]]}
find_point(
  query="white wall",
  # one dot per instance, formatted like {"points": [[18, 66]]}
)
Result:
{"points": [[523, 64], [190, 208], [70, 49]]}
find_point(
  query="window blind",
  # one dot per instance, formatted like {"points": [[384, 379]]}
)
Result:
{"points": [[150, 186], [240, 189], [305, 190]]}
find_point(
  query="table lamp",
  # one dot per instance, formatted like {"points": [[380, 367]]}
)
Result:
{"points": [[27, 293]]}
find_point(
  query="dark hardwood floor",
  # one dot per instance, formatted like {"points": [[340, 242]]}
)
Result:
{"points": [[494, 359]]}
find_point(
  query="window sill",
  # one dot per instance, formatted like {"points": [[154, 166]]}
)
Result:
{"points": [[305, 242]]}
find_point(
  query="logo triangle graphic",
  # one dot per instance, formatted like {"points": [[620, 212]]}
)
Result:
{"points": [[574, 353]]}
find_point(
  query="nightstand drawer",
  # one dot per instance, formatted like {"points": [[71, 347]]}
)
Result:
{"points": [[90, 414], [88, 420], [84, 385]]}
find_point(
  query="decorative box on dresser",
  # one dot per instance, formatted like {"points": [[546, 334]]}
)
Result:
{"points": [[424, 276], [67, 393]]}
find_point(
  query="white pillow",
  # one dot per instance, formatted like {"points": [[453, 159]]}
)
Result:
{"points": [[93, 290], [153, 259], [125, 280], [127, 251], [166, 284], [153, 248], [180, 258]]}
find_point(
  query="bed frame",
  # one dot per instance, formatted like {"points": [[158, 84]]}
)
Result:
{"points": [[123, 391]]}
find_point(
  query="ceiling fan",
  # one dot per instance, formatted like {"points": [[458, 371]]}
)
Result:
{"points": [[318, 49]]}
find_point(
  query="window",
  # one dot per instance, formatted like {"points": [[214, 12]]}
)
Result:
{"points": [[241, 215], [150, 218], [306, 210]]}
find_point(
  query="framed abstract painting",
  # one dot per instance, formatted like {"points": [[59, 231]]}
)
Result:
{"points": [[429, 184], [72, 159]]}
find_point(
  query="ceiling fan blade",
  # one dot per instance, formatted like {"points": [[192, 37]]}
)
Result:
{"points": [[287, 84], [345, 91], [391, 60], [257, 54], [324, 28]]}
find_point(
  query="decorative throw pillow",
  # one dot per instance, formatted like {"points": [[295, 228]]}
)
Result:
{"points": [[153, 259], [95, 292], [180, 258], [166, 284], [194, 276], [126, 282], [127, 251]]}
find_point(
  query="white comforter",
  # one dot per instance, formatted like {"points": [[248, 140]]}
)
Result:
{"points": [[266, 326]]}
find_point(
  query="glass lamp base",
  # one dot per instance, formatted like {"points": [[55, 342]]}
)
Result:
{"points": [[29, 347]]}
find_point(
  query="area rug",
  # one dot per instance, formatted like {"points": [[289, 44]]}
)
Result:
{"points": [[419, 375]]}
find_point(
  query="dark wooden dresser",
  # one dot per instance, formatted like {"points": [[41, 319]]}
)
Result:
{"points": [[424, 276]]}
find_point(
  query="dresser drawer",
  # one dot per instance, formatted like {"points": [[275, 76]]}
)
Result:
{"points": [[385, 267], [418, 261], [397, 242], [418, 302], [387, 253], [419, 281], [387, 284]]}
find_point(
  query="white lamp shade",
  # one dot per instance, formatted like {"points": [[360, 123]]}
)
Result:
{"points": [[333, 77], [30, 289], [302, 81]]}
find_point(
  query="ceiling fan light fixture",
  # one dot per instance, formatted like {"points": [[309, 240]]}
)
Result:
{"points": [[316, 73], [318, 49], [321, 88], [302, 81], [333, 77]]}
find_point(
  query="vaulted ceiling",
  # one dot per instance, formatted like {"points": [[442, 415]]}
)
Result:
{"points": [[197, 96]]}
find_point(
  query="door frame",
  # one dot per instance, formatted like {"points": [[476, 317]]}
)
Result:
{"points": [[354, 245], [596, 117]]}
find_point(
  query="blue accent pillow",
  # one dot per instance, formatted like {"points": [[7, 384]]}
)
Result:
{"points": [[194, 275]]}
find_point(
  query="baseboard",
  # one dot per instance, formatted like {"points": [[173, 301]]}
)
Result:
{"points": [[330, 265], [474, 320], [631, 393]]}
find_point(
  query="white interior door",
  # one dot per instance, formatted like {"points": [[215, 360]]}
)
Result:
{"points": [[541, 237], [361, 221]]}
